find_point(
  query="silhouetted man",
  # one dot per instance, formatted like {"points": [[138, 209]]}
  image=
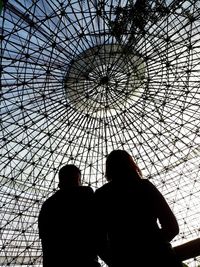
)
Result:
{"points": [[66, 223]]}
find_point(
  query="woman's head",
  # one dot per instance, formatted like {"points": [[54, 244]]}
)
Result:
{"points": [[120, 165]]}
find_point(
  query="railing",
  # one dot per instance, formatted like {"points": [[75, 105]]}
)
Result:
{"points": [[188, 250]]}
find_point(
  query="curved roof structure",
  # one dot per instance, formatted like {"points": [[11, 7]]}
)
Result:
{"points": [[80, 78]]}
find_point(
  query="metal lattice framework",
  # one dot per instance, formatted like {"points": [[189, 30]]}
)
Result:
{"points": [[81, 78]]}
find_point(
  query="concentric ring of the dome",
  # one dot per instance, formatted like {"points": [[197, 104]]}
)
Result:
{"points": [[43, 128]]}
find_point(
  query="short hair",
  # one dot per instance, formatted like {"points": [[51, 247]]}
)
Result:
{"points": [[120, 166], [69, 175]]}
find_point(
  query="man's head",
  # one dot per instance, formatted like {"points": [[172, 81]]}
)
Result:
{"points": [[69, 175]]}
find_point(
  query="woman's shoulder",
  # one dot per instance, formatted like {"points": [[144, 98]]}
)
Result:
{"points": [[151, 189], [146, 183], [103, 189]]}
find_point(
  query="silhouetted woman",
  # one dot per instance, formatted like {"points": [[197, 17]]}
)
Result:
{"points": [[135, 222]]}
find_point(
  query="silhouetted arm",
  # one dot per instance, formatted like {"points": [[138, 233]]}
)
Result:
{"points": [[167, 220]]}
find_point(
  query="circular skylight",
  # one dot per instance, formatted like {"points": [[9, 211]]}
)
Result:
{"points": [[104, 79]]}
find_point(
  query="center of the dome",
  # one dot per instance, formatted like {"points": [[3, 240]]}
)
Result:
{"points": [[104, 80]]}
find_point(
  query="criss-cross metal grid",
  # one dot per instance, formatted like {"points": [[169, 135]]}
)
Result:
{"points": [[81, 78]]}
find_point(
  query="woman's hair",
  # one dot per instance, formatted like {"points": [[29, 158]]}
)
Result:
{"points": [[120, 167]]}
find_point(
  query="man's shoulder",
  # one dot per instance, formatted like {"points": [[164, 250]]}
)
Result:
{"points": [[63, 194], [50, 199], [86, 190]]}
